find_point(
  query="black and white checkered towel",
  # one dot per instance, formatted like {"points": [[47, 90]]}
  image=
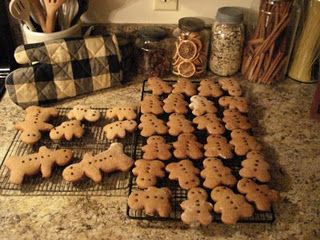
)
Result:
{"points": [[64, 68]]}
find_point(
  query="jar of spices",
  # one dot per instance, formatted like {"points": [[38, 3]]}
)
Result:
{"points": [[227, 42], [191, 48], [153, 58]]}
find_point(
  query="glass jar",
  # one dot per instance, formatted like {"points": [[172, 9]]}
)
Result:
{"points": [[227, 42], [191, 48], [153, 58]]}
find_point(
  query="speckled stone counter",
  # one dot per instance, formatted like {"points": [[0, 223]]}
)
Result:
{"points": [[281, 121]]}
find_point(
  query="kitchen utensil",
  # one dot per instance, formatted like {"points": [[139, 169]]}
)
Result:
{"points": [[20, 10], [67, 12], [83, 7], [38, 13], [51, 7]]}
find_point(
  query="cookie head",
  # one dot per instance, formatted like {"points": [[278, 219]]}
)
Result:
{"points": [[73, 173], [63, 156], [197, 194], [30, 136]]}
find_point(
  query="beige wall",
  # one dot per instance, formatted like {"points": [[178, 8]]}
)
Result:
{"points": [[141, 11]]}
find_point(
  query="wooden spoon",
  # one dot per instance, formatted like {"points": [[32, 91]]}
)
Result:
{"points": [[52, 7], [20, 10], [38, 13]]}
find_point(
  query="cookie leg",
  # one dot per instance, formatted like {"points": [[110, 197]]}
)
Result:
{"points": [[94, 174], [46, 169], [16, 177]]}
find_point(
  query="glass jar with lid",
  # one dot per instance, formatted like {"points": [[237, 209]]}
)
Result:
{"points": [[191, 48], [153, 57], [227, 42]]}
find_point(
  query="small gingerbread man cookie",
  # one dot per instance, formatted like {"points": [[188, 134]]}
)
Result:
{"points": [[35, 122], [175, 103], [119, 129], [121, 113], [243, 142], [231, 206], [255, 166], [200, 105], [154, 201], [211, 123], [151, 104], [147, 172], [261, 195], [67, 130], [156, 148], [158, 86], [31, 164], [187, 146], [196, 210], [111, 160], [218, 146], [235, 120], [82, 112], [184, 86], [178, 124], [209, 88], [185, 173], [151, 125], [231, 86], [216, 174], [239, 103]]}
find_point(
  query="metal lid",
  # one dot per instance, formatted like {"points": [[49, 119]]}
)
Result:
{"points": [[191, 24], [152, 33], [229, 15]]}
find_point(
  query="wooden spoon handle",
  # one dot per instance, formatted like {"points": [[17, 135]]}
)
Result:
{"points": [[50, 23], [37, 10]]}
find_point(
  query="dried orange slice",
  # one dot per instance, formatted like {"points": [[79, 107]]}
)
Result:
{"points": [[186, 69], [187, 50]]}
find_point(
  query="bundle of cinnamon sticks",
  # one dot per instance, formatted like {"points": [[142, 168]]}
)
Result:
{"points": [[265, 56]]}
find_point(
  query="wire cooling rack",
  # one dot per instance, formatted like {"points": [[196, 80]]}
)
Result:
{"points": [[94, 140], [179, 194]]}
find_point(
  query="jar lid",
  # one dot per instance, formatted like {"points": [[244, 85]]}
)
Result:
{"points": [[152, 33], [229, 15], [191, 24]]}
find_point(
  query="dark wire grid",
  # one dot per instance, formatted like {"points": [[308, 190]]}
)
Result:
{"points": [[179, 194], [94, 140]]}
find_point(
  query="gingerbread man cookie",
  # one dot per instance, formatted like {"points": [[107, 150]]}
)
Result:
{"points": [[42, 161], [261, 195], [67, 130], [216, 174], [209, 88], [218, 146], [243, 142], [239, 103], [158, 86], [121, 113], [82, 112], [211, 123], [179, 124], [147, 172], [231, 86], [235, 120], [187, 146], [154, 201], [119, 129], [151, 104], [184, 86], [200, 105], [35, 122], [255, 166], [175, 103], [196, 210], [185, 173], [231, 206], [151, 125], [111, 160], [156, 148]]}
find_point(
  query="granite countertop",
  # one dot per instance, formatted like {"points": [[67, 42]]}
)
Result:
{"points": [[281, 121]]}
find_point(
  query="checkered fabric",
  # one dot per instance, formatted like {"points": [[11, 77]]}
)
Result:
{"points": [[65, 68]]}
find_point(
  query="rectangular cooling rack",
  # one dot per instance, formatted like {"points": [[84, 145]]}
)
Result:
{"points": [[94, 140], [179, 194]]}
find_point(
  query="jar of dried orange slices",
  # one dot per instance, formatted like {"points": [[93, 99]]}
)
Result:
{"points": [[191, 48]]}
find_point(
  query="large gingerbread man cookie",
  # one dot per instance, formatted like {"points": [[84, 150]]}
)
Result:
{"points": [[156, 148]]}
